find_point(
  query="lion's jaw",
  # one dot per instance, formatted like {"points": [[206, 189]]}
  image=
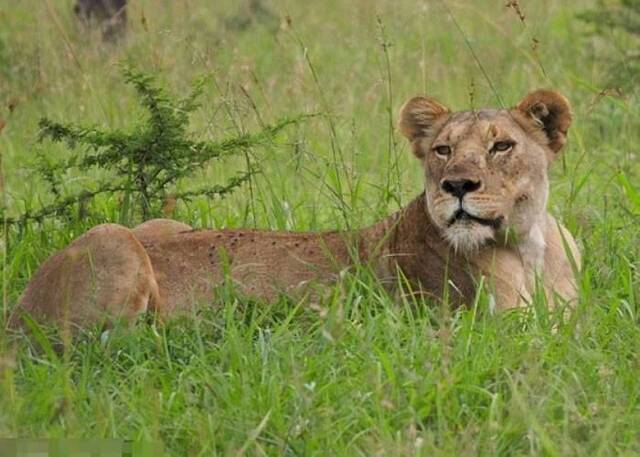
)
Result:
{"points": [[455, 220]]}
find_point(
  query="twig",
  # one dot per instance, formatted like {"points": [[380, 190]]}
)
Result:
{"points": [[473, 54]]}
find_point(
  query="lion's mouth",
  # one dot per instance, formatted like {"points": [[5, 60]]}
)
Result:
{"points": [[462, 215]]}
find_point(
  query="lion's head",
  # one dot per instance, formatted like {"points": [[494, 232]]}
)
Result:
{"points": [[486, 170]]}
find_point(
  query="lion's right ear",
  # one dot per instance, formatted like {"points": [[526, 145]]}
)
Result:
{"points": [[420, 117]]}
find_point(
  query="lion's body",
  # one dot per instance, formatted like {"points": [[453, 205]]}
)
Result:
{"points": [[260, 264], [442, 243]]}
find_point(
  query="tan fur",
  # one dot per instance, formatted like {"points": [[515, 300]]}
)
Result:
{"points": [[103, 274], [163, 264], [158, 228]]}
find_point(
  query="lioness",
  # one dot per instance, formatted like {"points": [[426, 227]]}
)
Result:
{"points": [[483, 213]]}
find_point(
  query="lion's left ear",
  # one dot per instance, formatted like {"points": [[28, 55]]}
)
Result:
{"points": [[550, 112]]}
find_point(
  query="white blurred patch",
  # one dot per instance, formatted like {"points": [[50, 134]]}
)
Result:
{"points": [[532, 248], [492, 304], [104, 337]]}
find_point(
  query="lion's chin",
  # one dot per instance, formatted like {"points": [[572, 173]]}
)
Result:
{"points": [[468, 237]]}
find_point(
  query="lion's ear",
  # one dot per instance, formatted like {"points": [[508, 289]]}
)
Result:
{"points": [[420, 117], [550, 112]]}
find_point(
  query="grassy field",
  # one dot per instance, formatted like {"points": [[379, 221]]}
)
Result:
{"points": [[369, 376]]}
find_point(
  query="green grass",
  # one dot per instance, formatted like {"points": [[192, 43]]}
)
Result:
{"points": [[367, 375]]}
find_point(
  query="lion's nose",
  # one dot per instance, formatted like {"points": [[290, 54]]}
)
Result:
{"points": [[460, 187]]}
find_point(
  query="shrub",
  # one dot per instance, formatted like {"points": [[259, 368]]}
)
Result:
{"points": [[144, 163]]}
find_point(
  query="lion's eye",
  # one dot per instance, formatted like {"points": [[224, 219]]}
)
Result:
{"points": [[502, 146], [443, 150]]}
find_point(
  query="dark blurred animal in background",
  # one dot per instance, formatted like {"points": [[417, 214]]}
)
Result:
{"points": [[251, 13], [108, 15]]}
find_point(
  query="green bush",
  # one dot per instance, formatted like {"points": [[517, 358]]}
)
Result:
{"points": [[145, 162]]}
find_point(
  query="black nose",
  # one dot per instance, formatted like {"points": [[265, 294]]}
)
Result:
{"points": [[460, 187]]}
